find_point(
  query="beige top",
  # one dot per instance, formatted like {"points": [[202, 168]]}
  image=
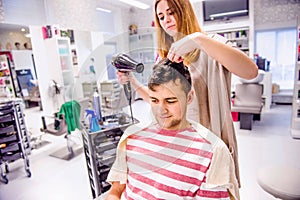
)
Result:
{"points": [[221, 171], [212, 105]]}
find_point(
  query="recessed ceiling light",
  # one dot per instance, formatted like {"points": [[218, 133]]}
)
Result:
{"points": [[135, 3], [23, 29], [103, 10]]}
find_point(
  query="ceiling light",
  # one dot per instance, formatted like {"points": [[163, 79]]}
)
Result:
{"points": [[103, 10], [137, 4], [23, 29]]}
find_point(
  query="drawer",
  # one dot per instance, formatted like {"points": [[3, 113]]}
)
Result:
{"points": [[9, 138], [11, 156], [6, 118], [107, 160], [6, 107], [104, 170], [100, 138], [10, 148], [7, 130], [106, 146]]}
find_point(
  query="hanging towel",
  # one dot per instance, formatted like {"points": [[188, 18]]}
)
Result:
{"points": [[71, 112]]}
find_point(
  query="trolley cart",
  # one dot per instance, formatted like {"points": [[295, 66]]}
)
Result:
{"points": [[100, 150], [14, 139]]}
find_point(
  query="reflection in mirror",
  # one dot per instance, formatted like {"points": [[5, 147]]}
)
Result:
{"points": [[15, 50]]}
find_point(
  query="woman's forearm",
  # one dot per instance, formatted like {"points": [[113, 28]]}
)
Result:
{"points": [[141, 89], [233, 59]]}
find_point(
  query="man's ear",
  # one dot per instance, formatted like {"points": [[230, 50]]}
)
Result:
{"points": [[190, 96]]}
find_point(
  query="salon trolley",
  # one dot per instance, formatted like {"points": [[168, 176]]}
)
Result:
{"points": [[100, 150], [14, 138]]}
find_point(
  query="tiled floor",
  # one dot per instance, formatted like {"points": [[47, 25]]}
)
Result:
{"points": [[269, 143]]}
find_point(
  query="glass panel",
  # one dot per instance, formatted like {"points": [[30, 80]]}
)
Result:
{"points": [[279, 47]]}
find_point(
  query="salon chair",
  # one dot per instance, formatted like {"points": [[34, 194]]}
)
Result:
{"points": [[248, 102]]}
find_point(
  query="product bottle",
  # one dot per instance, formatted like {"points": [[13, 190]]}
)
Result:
{"points": [[97, 106], [94, 123]]}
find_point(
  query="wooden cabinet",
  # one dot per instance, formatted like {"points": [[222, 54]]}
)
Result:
{"points": [[295, 122]]}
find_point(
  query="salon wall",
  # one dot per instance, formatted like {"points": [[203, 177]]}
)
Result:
{"points": [[272, 14], [29, 12], [1, 12], [82, 15], [141, 18]]}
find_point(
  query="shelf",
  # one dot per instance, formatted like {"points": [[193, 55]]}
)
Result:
{"points": [[4, 68], [239, 39]]}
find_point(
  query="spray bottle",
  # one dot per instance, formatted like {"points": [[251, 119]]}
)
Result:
{"points": [[94, 123]]}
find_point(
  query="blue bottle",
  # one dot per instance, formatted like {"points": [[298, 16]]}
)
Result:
{"points": [[94, 123]]}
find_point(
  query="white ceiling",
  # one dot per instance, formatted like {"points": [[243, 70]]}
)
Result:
{"points": [[104, 3], [121, 4], [12, 27]]}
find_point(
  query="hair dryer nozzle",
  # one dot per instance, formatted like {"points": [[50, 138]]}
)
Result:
{"points": [[123, 62]]}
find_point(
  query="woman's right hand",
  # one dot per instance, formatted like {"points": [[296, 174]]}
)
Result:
{"points": [[124, 77]]}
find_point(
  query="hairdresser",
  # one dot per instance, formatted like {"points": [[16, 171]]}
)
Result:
{"points": [[211, 60]]}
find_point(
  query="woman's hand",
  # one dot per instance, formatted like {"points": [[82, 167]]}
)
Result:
{"points": [[123, 77], [183, 46]]}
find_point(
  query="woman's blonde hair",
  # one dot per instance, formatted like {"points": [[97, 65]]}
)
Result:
{"points": [[186, 23]]}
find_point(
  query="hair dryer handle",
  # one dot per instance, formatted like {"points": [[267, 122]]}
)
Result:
{"points": [[127, 90]]}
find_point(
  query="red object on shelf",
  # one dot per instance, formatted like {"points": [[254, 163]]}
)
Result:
{"points": [[234, 115]]}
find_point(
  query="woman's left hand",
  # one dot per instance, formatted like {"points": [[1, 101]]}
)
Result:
{"points": [[183, 46]]}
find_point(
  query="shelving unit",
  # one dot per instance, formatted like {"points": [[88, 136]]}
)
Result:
{"points": [[100, 150], [239, 38], [60, 59], [14, 138], [295, 124], [142, 48], [8, 80]]}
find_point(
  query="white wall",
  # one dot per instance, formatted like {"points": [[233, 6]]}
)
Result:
{"points": [[42, 69], [270, 14], [24, 12], [1, 12]]}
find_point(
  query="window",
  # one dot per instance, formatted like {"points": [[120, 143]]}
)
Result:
{"points": [[279, 47]]}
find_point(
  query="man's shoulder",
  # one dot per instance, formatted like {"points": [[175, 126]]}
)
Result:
{"points": [[211, 137]]}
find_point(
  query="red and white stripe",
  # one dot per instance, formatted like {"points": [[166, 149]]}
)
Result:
{"points": [[169, 165]]}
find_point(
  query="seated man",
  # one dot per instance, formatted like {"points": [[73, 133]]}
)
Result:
{"points": [[173, 157]]}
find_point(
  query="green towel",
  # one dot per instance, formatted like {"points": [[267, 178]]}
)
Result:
{"points": [[71, 112]]}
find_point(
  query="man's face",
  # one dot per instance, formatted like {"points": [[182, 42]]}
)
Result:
{"points": [[168, 104]]}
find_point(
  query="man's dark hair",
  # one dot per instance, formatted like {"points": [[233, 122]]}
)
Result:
{"points": [[166, 71]]}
